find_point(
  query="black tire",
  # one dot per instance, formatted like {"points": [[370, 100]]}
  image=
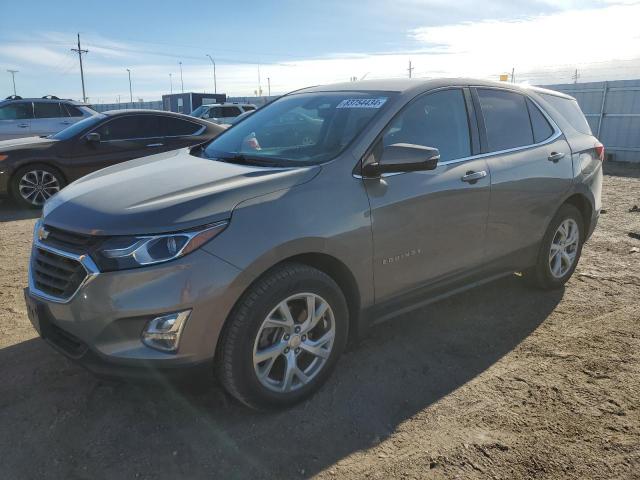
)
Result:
{"points": [[541, 275], [18, 195], [234, 356]]}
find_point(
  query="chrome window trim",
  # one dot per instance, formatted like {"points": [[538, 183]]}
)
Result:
{"points": [[557, 133], [198, 132], [85, 260]]}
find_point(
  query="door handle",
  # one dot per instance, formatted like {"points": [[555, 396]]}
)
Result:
{"points": [[24, 125], [155, 145], [473, 177], [555, 156]]}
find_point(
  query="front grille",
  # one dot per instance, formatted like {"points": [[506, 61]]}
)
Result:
{"points": [[68, 241], [56, 275]]}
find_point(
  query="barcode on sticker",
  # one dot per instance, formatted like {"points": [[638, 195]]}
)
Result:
{"points": [[362, 102]]}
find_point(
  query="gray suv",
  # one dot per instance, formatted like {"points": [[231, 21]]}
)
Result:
{"points": [[260, 260]]}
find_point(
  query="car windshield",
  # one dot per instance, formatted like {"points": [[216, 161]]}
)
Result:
{"points": [[199, 111], [78, 127], [299, 129]]}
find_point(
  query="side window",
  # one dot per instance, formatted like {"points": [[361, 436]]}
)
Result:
{"points": [[541, 127], [437, 120], [215, 112], [47, 110], [71, 110], [177, 127], [230, 111], [506, 119], [17, 111], [570, 110], [131, 127]]}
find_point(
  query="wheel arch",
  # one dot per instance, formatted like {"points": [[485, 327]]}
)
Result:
{"points": [[32, 164], [582, 203]]}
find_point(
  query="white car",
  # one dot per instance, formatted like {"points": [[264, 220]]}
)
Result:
{"points": [[222, 112], [34, 117]]}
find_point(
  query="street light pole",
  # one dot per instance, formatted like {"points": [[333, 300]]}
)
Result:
{"points": [[130, 90], [181, 81], [13, 78], [215, 85]]}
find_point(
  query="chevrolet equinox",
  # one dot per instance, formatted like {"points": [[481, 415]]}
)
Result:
{"points": [[258, 258]]}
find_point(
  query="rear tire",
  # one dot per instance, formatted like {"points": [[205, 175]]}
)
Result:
{"points": [[32, 185], [560, 249], [268, 358]]}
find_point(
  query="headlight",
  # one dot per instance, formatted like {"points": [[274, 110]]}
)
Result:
{"points": [[121, 253]]}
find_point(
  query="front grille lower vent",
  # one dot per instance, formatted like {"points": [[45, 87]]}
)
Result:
{"points": [[56, 275]]}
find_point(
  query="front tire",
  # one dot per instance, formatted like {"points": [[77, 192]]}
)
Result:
{"points": [[33, 185], [560, 249], [283, 338]]}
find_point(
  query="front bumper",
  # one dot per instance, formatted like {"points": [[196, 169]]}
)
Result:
{"points": [[100, 326]]}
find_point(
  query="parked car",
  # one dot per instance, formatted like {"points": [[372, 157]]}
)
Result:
{"points": [[35, 168], [261, 263], [222, 112], [27, 117]]}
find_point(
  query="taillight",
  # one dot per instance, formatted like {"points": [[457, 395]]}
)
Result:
{"points": [[600, 151]]}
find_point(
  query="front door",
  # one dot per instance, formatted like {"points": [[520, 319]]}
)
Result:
{"points": [[15, 120], [429, 225], [121, 139]]}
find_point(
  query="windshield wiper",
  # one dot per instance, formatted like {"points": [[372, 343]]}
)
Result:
{"points": [[245, 160]]}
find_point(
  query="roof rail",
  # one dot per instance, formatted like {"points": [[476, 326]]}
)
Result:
{"points": [[51, 97], [14, 97]]}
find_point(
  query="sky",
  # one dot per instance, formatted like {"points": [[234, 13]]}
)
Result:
{"points": [[300, 43]]}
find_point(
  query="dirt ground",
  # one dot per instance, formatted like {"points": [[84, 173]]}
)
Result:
{"points": [[499, 382]]}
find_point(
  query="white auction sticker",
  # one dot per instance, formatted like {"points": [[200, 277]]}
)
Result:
{"points": [[362, 102]]}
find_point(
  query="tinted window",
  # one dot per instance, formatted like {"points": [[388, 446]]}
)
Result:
{"points": [[541, 127], [215, 112], [436, 120], [130, 127], [506, 119], [230, 111], [79, 127], [570, 110], [176, 126], [47, 110], [248, 108], [17, 111], [72, 111]]}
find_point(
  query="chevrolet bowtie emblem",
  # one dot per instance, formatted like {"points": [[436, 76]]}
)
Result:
{"points": [[43, 233]]}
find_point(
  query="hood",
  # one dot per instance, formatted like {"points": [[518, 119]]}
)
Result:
{"points": [[163, 193], [26, 142]]}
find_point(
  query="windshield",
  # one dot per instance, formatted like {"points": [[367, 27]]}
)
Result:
{"points": [[299, 129], [199, 111], [78, 127]]}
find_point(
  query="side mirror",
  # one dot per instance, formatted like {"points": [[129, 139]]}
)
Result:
{"points": [[403, 157], [92, 137]]}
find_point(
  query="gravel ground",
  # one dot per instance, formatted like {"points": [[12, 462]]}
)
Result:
{"points": [[499, 382]]}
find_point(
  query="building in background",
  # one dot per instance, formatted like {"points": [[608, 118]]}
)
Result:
{"points": [[188, 102]]}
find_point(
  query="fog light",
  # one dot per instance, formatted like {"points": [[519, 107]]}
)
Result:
{"points": [[163, 333]]}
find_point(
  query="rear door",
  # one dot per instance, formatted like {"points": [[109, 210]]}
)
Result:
{"points": [[430, 225], [121, 139], [49, 118], [531, 170], [15, 120], [179, 133]]}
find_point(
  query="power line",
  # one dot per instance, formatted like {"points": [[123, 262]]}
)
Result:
{"points": [[80, 51]]}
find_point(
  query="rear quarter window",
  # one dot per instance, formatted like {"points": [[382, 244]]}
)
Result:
{"points": [[570, 110]]}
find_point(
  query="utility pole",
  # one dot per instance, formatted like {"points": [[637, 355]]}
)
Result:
{"points": [[171, 83], [259, 83], [13, 78], [215, 85], [80, 51], [269, 85], [181, 81], [130, 90], [513, 75], [575, 77], [410, 69]]}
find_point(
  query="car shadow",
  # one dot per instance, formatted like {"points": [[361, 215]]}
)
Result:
{"points": [[9, 212], [59, 419]]}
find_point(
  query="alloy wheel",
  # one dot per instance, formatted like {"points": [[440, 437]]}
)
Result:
{"points": [[37, 186], [294, 342], [564, 248]]}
